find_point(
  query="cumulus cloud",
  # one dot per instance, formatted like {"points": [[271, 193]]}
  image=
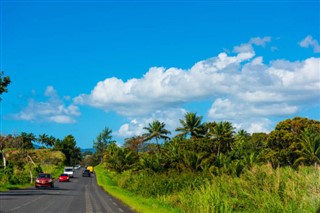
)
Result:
{"points": [[245, 115], [52, 110], [310, 42], [135, 126], [241, 87]]}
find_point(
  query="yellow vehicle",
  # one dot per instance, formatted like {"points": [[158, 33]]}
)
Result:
{"points": [[90, 168]]}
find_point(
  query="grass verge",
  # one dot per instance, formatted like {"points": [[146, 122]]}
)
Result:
{"points": [[137, 203], [7, 187]]}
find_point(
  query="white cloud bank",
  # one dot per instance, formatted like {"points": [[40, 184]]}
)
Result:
{"points": [[54, 110], [252, 91]]}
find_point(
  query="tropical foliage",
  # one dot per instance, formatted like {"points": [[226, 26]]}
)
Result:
{"points": [[254, 165], [21, 162]]}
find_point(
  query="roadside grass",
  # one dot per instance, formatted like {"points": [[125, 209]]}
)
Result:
{"points": [[260, 189], [137, 203], [7, 187]]}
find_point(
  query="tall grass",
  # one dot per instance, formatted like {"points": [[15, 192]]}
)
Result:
{"points": [[259, 189], [137, 203]]}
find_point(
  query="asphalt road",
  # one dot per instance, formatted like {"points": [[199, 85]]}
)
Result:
{"points": [[82, 194]]}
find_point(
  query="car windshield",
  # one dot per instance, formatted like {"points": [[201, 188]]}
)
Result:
{"points": [[68, 170], [86, 171], [44, 176], [63, 175]]}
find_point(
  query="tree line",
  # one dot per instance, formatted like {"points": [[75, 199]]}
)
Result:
{"points": [[211, 146]]}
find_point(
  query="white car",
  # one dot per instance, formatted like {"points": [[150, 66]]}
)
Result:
{"points": [[68, 171]]}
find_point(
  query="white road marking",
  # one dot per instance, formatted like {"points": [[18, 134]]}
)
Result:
{"points": [[18, 207]]}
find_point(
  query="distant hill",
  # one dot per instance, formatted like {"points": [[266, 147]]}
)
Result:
{"points": [[88, 149], [37, 146]]}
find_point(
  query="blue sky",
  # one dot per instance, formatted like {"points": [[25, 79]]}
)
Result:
{"points": [[80, 66]]}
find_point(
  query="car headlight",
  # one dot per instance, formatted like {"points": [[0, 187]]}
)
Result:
{"points": [[50, 181], [38, 181]]}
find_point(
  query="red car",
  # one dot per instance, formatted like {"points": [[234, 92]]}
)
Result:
{"points": [[64, 178], [44, 179]]}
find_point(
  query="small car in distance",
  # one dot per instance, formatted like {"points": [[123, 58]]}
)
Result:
{"points": [[86, 173], [64, 178], [69, 171], [44, 179]]}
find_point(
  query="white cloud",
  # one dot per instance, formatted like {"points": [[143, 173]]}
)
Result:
{"points": [[248, 47], [310, 42], [135, 127], [53, 110], [241, 115], [252, 91]]}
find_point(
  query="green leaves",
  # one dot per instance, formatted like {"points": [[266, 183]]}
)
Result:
{"points": [[191, 125], [309, 142], [104, 139], [4, 83], [156, 130]]}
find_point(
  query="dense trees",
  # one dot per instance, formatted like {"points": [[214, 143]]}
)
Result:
{"points": [[216, 148], [282, 143], [68, 147]]}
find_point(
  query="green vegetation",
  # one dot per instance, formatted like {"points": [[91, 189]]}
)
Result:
{"points": [[17, 173], [260, 189], [211, 168], [137, 203]]}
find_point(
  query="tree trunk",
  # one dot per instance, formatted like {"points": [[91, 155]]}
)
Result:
{"points": [[218, 149], [29, 160], [158, 145], [30, 171], [4, 159]]}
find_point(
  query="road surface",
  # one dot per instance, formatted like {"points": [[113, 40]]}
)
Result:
{"points": [[81, 195]]}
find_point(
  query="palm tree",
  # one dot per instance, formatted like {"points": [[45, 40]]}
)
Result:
{"points": [[26, 140], [222, 134], [44, 139], [156, 131], [191, 125], [310, 147]]}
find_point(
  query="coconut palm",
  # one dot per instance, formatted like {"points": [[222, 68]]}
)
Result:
{"points": [[44, 139], [310, 147], [222, 134], [156, 131], [191, 125]]}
